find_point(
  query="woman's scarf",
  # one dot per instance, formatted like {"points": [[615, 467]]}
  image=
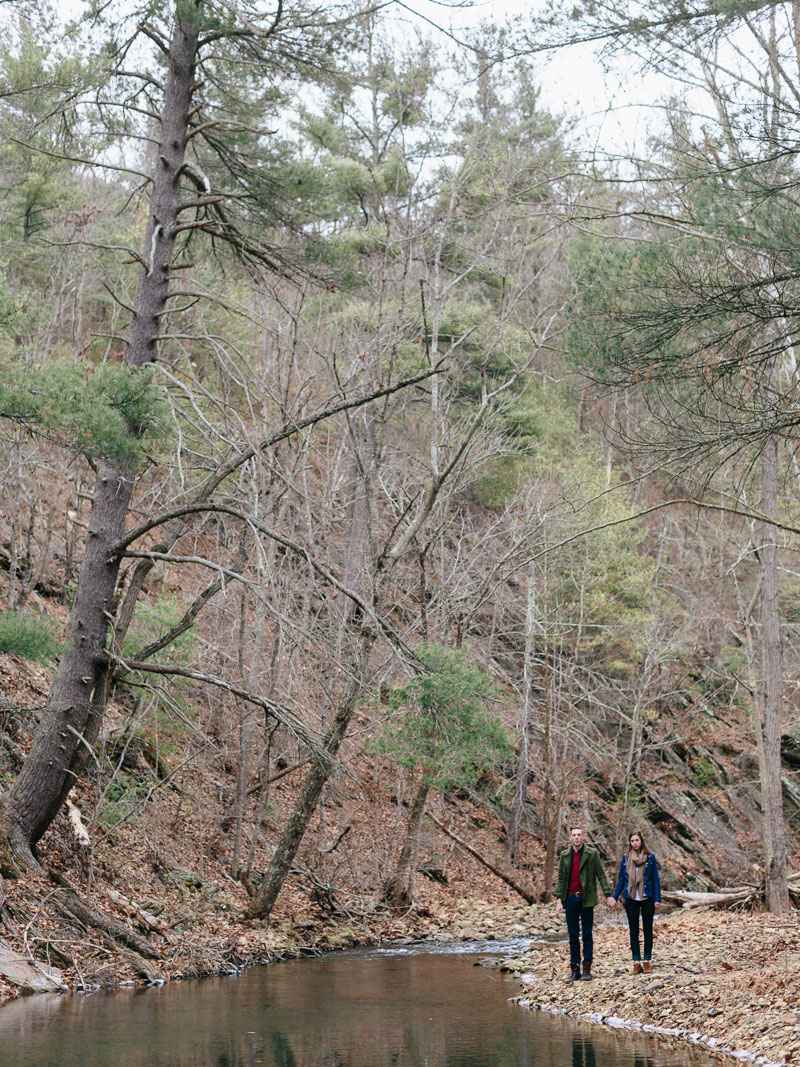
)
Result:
{"points": [[635, 863]]}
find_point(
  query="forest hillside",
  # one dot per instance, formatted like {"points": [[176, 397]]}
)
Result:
{"points": [[386, 484]]}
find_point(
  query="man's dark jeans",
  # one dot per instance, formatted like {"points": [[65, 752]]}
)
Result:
{"points": [[633, 909], [579, 921]]}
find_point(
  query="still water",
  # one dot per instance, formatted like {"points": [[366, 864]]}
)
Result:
{"points": [[399, 1007]]}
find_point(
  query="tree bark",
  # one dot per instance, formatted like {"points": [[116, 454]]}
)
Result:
{"points": [[71, 722], [318, 774], [551, 804], [769, 748], [399, 888], [523, 764], [68, 902]]}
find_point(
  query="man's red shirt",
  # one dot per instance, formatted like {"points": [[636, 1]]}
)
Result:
{"points": [[575, 874]]}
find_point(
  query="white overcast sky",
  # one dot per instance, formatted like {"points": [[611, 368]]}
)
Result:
{"points": [[613, 110]]}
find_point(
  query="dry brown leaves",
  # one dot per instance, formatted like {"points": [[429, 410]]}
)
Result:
{"points": [[735, 979]]}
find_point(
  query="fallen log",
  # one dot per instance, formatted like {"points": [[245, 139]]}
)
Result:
{"points": [[67, 901], [144, 918], [726, 895], [504, 876], [719, 895]]}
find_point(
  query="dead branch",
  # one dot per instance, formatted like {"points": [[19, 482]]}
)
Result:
{"points": [[504, 876], [70, 904]]}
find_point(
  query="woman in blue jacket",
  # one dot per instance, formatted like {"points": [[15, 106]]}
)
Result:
{"points": [[639, 886]]}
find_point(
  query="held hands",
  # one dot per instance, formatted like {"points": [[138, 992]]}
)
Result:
{"points": [[612, 902]]}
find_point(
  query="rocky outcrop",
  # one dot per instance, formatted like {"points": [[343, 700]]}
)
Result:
{"points": [[29, 976]]}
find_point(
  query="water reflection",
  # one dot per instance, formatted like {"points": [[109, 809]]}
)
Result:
{"points": [[583, 1052], [340, 1011]]}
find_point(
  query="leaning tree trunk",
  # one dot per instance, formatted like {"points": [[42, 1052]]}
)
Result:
{"points": [[770, 724], [71, 722], [322, 764], [399, 888], [357, 576]]}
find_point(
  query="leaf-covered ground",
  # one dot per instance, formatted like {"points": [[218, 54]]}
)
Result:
{"points": [[731, 980]]}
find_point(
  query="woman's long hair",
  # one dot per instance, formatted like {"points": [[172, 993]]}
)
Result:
{"points": [[640, 835]]}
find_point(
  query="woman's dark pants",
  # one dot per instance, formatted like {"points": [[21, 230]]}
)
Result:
{"points": [[579, 921], [646, 908]]}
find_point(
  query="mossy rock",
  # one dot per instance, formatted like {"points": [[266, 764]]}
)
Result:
{"points": [[341, 938], [185, 877], [8, 866]]}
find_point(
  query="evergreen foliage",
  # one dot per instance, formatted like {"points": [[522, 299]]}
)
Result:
{"points": [[42, 76], [441, 724], [101, 411], [28, 636]]}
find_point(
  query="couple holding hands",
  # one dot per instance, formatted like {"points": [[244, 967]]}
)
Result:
{"points": [[579, 870]]}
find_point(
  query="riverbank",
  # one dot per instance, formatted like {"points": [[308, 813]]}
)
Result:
{"points": [[727, 981], [195, 928]]}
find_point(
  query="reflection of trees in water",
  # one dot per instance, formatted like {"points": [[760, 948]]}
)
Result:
{"points": [[583, 1052], [281, 1050], [334, 1012]]}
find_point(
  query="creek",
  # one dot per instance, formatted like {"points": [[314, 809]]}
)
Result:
{"points": [[412, 1006]]}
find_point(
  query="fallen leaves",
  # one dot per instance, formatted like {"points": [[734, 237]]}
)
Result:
{"points": [[732, 983]]}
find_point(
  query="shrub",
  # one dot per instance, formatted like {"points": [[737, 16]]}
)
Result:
{"points": [[28, 637], [703, 771]]}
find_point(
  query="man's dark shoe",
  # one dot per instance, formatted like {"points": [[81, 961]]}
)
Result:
{"points": [[587, 971], [574, 972]]}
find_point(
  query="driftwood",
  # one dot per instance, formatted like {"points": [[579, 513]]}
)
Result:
{"points": [[504, 876], [145, 919], [71, 905], [728, 896]]}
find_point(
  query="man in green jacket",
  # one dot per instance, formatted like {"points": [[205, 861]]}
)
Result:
{"points": [[579, 870]]}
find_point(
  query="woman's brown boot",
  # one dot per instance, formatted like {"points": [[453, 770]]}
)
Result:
{"points": [[637, 968], [646, 967]]}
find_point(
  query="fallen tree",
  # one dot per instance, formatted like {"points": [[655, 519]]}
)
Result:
{"points": [[745, 896]]}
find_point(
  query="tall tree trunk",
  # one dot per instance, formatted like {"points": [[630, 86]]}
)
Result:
{"points": [[769, 748], [523, 764], [318, 774], [399, 888], [551, 813], [247, 728], [71, 722], [633, 763]]}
